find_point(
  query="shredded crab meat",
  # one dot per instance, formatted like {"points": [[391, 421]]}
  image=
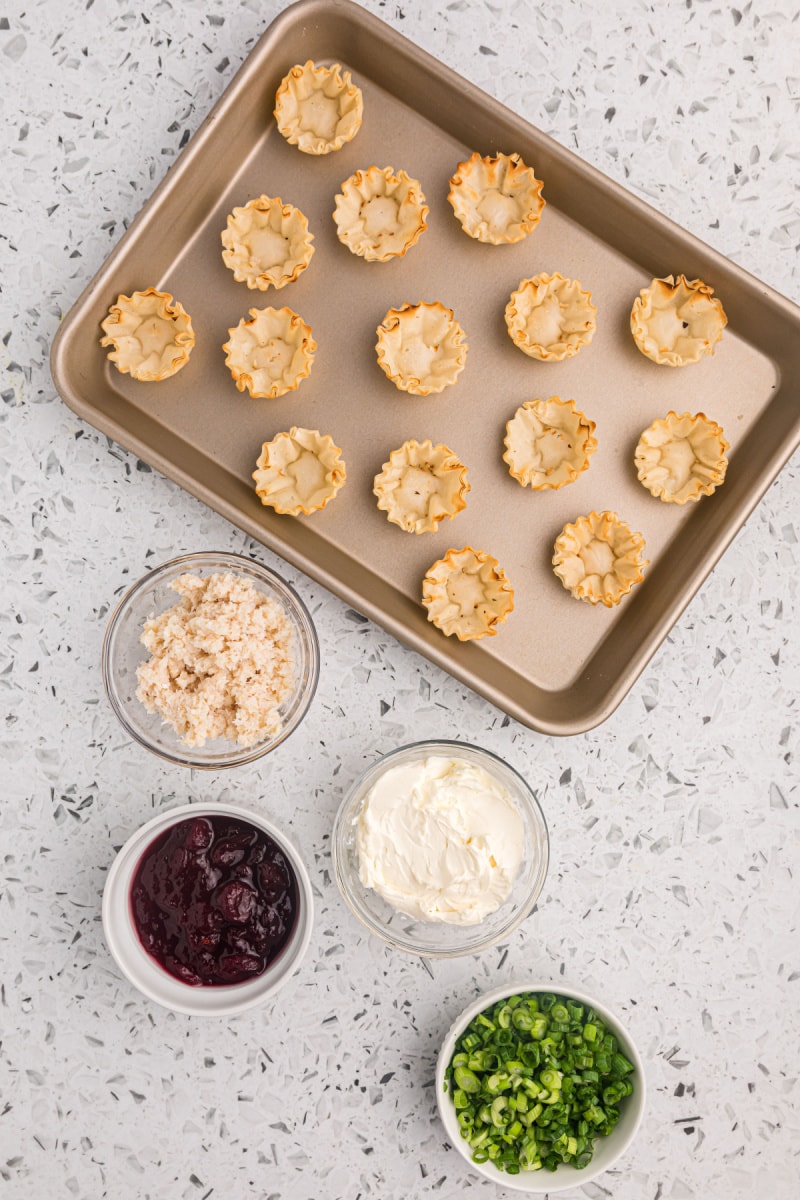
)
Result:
{"points": [[221, 661]]}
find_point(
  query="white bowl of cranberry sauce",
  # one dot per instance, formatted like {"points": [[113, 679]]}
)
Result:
{"points": [[207, 909]]}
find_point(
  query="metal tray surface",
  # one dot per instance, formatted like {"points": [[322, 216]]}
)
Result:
{"points": [[557, 665]]}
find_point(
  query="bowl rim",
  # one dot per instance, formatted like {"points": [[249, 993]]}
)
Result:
{"points": [[303, 620], [381, 931], [537, 1182], [116, 917]]}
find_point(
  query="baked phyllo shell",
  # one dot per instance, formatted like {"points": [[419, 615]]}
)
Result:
{"points": [[299, 472], [266, 243], [151, 335], [681, 458], [271, 353], [497, 200], [467, 594], [677, 321], [318, 109], [421, 347], [420, 485], [551, 318], [548, 443], [380, 213], [598, 558]]}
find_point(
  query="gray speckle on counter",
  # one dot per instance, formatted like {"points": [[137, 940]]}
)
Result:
{"points": [[673, 885]]}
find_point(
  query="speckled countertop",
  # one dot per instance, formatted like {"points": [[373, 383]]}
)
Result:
{"points": [[672, 890]]}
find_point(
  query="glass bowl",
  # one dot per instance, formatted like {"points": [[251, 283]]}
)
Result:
{"points": [[606, 1149], [123, 651], [436, 939], [146, 974]]}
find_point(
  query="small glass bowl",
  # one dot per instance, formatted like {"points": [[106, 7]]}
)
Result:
{"points": [[438, 939], [606, 1149], [146, 974], [123, 651]]}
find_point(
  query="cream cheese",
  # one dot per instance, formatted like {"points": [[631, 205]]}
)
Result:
{"points": [[440, 839]]}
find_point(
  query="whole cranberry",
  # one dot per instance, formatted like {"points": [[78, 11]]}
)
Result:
{"points": [[257, 853], [236, 966], [227, 854], [273, 923], [236, 900], [273, 880], [199, 835], [243, 942], [182, 972]]}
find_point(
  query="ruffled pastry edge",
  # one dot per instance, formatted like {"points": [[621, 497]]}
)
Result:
{"points": [[516, 321], [604, 521], [329, 454], [461, 181], [410, 383]]}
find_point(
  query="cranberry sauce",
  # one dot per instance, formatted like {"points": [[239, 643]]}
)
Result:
{"points": [[214, 900]]}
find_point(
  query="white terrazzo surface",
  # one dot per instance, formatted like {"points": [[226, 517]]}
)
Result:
{"points": [[672, 890]]}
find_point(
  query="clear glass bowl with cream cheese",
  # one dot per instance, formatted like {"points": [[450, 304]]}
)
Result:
{"points": [[440, 849]]}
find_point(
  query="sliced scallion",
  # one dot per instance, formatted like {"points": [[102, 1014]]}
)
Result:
{"points": [[535, 1080]]}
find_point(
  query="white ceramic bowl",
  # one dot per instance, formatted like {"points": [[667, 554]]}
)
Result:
{"points": [[606, 1149], [153, 980], [123, 652], [438, 939]]}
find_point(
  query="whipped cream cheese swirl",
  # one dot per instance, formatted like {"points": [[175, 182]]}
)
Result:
{"points": [[440, 839]]}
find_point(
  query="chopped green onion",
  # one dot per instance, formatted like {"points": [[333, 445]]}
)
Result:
{"points": [[504, 1017], [535, 1080], [497, 1083], [467, 1080], [620, 1065], [522, 1019]]}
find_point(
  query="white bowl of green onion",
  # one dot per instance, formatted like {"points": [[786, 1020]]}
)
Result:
{"points": [[540, 1087]]}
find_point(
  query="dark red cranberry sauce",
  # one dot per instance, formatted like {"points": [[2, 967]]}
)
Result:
{"points": [[214, 900]]}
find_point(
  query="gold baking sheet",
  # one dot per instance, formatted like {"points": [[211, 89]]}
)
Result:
{"points": [[557, 665]]}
